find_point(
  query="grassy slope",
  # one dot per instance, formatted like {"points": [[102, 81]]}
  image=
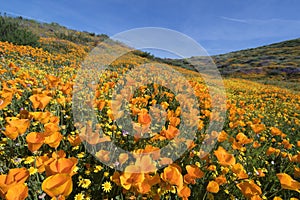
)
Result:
{"points": [[276, 64]]}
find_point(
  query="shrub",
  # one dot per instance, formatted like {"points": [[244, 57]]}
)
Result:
{"points": [[12, 32]]}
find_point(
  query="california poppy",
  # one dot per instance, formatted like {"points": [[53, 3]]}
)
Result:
{"points": [[40, 100], [172, 175], [5, 99], [74, 140], [35, 141], [123, 157], [224, 158], [213, 187], [287, 182], [144, 118], [184, 192], [58, 184], [54, 139], [258, 128], [62, 166], [16, 127], [249, 188], [193, 172], [103, 155], [18, 191], [170, 133], [239, 170], [131, 177], [221, 180]]}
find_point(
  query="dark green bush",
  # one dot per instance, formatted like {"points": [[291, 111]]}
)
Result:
{"points": [[11, 31]]}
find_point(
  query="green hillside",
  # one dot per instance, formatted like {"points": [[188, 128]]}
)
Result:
{"points": [[275, 64]]}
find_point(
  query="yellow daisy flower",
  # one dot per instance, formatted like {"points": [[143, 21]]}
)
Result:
{"points": [[84, 183], [106, 186], [79, 196]]}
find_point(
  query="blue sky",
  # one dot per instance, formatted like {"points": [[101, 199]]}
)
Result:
{"points": [[219, 26]]}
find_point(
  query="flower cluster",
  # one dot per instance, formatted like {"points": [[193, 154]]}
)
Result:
{"points": [[160, 128]]}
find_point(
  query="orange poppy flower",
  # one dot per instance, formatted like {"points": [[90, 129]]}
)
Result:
{"points": [[275, 131], [123, 157], [58, 184], [222, 136], [103, 155], [270, 151], [41, 162], [39, 100], [14, 179], [258, 128], [239, 170], [170, 133], [54, 139], [52, 80], [287, 144], [62, 166], [116, 178], [50, 128], [221, 180], [17, 175], [35, 141], [144, 118], [92, 137], [249, 188], [184, 192], [74, 140], [66, 88], [256, 144], [5, 99], [174, 121], [213, 187], [193, 173], [145, 186], [100, 104], [152, 180], [42, 117], [16, 127], [11, 132], [18, 191], [256, 197], [130, 177], [296, 158], [59, 154], [297, 172], [243, 139], [172, 175], [287, 182], [224, 158]]}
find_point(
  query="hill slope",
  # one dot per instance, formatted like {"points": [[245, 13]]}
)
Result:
{"points": [[279, 59], [276, 64]]}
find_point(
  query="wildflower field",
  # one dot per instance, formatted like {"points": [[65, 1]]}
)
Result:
{"points": [[46, 154]]}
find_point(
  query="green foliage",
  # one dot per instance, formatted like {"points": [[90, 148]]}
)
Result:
{"points": [[12, 32], [143, 54]]}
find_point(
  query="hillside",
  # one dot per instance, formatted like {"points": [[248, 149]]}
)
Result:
{"points": [[276, 64], [69, 133], [280, 60]]}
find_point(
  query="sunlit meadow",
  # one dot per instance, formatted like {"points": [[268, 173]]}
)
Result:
{"points": [[45, 155]]}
